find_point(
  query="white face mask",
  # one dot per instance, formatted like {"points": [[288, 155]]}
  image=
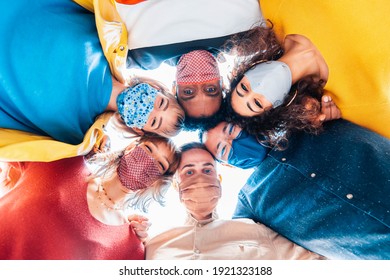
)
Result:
{"points": [[272, 79]]}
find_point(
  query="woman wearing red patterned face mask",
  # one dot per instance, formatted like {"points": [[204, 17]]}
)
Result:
{"points": [[73, 214]]}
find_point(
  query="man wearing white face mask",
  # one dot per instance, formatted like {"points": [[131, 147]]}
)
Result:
{"points": [[204, 236]]}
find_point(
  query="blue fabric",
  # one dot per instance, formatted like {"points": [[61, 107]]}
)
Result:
{"points": [[54, 78], [246, 151], [135, 104], [328, 193]]}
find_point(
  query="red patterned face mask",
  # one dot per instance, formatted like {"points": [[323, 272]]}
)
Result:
{"points": [[137, 170], [197, 67]]}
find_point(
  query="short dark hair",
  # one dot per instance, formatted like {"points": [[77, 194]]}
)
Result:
{"points": [[205, 123], [194, 145]]}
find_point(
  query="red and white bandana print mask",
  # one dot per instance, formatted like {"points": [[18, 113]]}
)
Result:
{"points": [[137, 170], [197, 67]]}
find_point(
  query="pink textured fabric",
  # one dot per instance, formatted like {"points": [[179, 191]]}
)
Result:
{"points": [[137, 170], [197, 67], [46, 217]]}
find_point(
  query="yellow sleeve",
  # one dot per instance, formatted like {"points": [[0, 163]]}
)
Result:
{"points": [[24, 146], [352, 36], [112, 34]]}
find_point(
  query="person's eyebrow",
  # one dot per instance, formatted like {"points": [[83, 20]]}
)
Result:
{"points": [[208, 164], [166, 105], [188, 165]]}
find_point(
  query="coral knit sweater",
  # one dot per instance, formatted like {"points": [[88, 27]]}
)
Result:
{"points": [[46, 216]]}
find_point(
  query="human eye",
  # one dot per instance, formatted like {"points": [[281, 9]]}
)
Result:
{"points": [[188, 91], [153, 122], [161, 103], [162, 166], [243, 86], [148, 148], [207, 171], [258, 104], [189, 172], [231, 127], [223, 150], [210, 89]]}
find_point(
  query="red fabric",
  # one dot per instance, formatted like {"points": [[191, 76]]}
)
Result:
{"points": [[138, 170], [196, 67], [46, 216]]}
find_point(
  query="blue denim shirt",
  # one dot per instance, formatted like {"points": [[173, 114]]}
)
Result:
{"points": [[328, 193]]}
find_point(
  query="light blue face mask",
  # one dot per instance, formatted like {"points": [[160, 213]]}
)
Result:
{"points": [[271, 79], [246, 151], [135, 104]]}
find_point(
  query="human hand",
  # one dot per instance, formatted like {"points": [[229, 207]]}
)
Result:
{"points": [[329, 110], [141, 225]]}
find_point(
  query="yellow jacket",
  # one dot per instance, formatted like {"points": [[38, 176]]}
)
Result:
{"points": [[24, 146], [352, 36], [112, 33]]}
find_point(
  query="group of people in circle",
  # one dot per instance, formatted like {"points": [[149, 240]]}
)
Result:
{"points": [[313, 170]]}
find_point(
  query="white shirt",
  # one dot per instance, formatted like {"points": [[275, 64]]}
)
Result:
{"points": [[238, 239], [160, 22]]}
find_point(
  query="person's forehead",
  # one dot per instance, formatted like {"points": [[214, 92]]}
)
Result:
{"points": [[195, 155]]}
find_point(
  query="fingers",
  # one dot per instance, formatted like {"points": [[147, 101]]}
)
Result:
{"points": [[141, 229], [105, 144], [329, 110], [137, 218]]}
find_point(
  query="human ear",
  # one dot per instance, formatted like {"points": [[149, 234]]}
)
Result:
{"points": [[174, 88]]}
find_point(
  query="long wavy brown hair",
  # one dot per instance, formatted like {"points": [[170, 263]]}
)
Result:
{"points": [[300, 108]]}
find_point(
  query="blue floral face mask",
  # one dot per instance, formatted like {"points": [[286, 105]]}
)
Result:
{"points": [[135, 104], [246, 151]]}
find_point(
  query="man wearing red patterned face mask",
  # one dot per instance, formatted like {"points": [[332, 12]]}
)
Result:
{"points": [[198, 85], [204, 236]]}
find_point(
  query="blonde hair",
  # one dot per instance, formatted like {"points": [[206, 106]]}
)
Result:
{"points": [[107, 163]]}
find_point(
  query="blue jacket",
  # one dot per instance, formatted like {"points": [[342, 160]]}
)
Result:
{"points": [[328, 193]]}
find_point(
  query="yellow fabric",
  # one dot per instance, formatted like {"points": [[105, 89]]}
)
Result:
{"points": [[353, 38], [24, 146], [112, 34]]}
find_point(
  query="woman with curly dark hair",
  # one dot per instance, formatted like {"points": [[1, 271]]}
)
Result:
{"points": [[279, 89]]}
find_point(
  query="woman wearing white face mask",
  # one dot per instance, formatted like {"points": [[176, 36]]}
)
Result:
{"points": [[71, 214], [275, 97]]}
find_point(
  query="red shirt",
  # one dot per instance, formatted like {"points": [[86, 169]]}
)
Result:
{"points": [[46, 216]]}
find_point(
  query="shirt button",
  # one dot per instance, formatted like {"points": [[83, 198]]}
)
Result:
{"points": [[349, 196], [121, 48], [312, 175], [199, 225], [197, 251], [284, 159]]}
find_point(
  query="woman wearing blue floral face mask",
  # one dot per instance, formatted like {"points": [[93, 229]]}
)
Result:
{"points": [[309, 190]]}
